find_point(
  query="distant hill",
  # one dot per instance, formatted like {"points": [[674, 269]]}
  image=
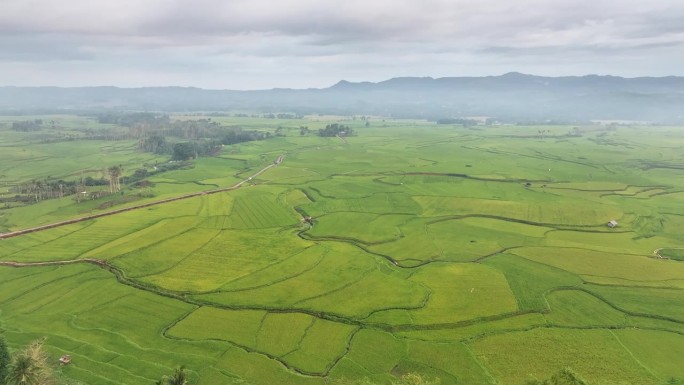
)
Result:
{"points": [[510, 97]]}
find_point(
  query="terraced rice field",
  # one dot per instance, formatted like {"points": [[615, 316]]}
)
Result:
{"points": [[476, 256]]}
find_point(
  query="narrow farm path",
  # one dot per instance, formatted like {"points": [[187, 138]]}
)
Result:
{"points": [[633, 356], [277, 162]]}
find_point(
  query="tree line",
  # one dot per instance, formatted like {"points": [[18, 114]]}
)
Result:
{"points": [[34, 191], [207, 146], [28, 125], [335, 129], [463, 121], [38, 190]]}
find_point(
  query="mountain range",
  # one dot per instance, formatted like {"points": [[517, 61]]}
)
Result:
{"points": [[510, 97]]}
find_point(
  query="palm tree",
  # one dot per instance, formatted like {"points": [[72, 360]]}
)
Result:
{"points": [[24, 371], [179, 377], [114, 173], [31, 366], [5, 359]]}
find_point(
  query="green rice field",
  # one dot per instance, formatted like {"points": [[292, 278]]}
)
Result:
{"points": [[469, 255]]}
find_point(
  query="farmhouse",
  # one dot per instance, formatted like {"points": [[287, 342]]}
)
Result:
{"points": [[612, 223], [65, 359], [307, 219]]}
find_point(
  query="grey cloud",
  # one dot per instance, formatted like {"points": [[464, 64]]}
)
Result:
{"points": [[314, 41], [37, 47], [330, 23]]}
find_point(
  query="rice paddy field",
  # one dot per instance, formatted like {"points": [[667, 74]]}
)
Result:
{"points": [[470, 255]]}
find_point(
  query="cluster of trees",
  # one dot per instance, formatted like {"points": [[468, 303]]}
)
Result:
{"points": [[335, 129], [38, 190], [28, 125], [463, 121], [5, 360], [208, 147], [237, 135], [133, 119], [193, 150], [115, 173], [153, 132], [154, 143], [178, 377], [201, 137], [551, 122], [543, 133], [283, 116], [564, 377]]}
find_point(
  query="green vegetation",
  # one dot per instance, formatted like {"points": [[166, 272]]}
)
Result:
{"points": [[30, 366], [4, 359], [563, 377], [178, 377], [335, 129], [677, 254], [409, 253], [128, 135]]}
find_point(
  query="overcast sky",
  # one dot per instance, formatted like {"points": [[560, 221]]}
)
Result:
{"points": [[256, 44]]}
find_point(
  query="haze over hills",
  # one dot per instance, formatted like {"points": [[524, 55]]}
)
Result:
{"points": [[509, 97]]}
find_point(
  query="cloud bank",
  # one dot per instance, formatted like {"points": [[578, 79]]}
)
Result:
{"points": [[251, 44]]}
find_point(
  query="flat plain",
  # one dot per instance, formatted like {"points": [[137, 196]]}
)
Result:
{"points": [[476, 255]]}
